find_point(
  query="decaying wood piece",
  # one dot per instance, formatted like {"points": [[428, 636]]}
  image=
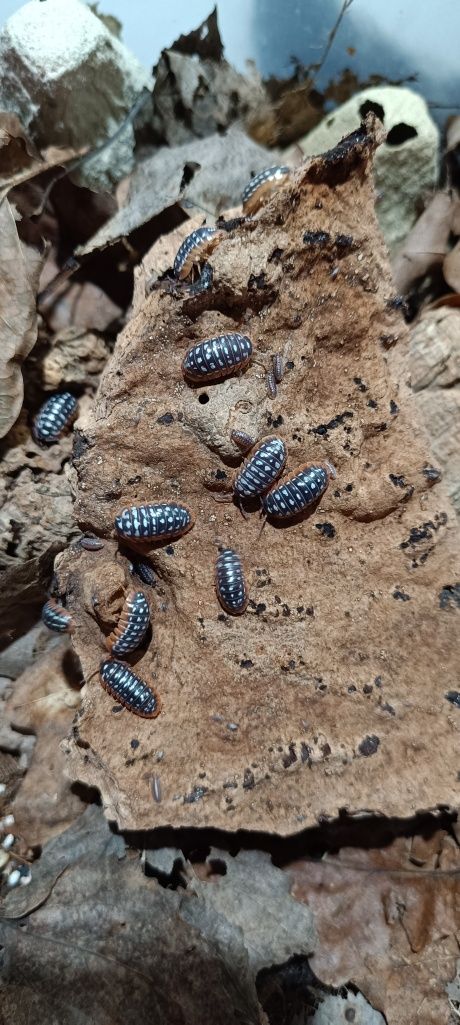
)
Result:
{"points": [[329, 692]]}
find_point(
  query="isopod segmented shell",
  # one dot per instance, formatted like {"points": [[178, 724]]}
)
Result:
{"points": [[128, 689], [296, 492], [278, 367], [55, 416], [260, 188], [262, 468], [230, 583], [142, 569], [153, 522], [55, 617], [270, 384], [132, 625], [242, 440], [217, 357], [198, 245]]}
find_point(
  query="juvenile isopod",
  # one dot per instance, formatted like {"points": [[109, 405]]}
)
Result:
{"points": [[297, 492], [195, 249], [203, 283], [142, 569], [162, 522], [261, 469], [132, 625], [54, 418], [91, 544], [56, 618], [261, 187], [217, 357], [278, 367], [128, 689], [243, 441], [230, 583], [270, 382]]}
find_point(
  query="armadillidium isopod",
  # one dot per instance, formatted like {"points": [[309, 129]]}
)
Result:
{"points": [[243, 441], [230, 583], [203, 283], [261, 187], [132, 625], [303, 487], [54, 418], [261, 469], [195, 249], [217, 357], [128, 689], [278, 367], [55, 617], [161, 522]]}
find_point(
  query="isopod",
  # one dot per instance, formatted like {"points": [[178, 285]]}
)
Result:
{"points": [[278, 367], [144, 571], [128, 689], [261, 187], [217, 357], [55, 617], [230, 583], [132, 625], [91, 544], [298, 491], [54, 418], [162, 522], [270, 382], [242, 440], [261, 469], [204, 281], [195, 248]]}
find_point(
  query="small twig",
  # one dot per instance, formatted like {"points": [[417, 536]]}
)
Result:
{"points": [[330, 39]]}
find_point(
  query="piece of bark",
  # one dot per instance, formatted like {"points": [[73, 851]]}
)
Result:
{"points": [[426, 245], [327, 692], [434, 363]]}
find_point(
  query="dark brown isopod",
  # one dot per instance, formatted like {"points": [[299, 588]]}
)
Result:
{"points": [[131, 627], [91, 544], [128, 689], [242, 440]]}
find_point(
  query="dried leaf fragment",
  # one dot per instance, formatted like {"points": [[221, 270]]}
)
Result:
{"points": [[19, 274]]}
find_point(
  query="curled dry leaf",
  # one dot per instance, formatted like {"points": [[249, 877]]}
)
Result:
{"points": [[20, 269], [451, 267], [427, 243], [388, 923]]}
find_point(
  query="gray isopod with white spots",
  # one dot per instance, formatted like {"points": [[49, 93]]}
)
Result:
{"points": [[297, 492], [195, 249], [261, 187], [55, 416], [162, 522], [128, 689], [132, 625], [217, 357], [261, 469], [230, 583]]}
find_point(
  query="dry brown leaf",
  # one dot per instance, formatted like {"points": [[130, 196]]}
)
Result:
{"points": [[388, 922], [17, 153], [19, 274], [451, 268], [44, 702], [426, 245]]}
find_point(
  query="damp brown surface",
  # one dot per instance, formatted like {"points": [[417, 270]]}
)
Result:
{"points": [[329, 692]]}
